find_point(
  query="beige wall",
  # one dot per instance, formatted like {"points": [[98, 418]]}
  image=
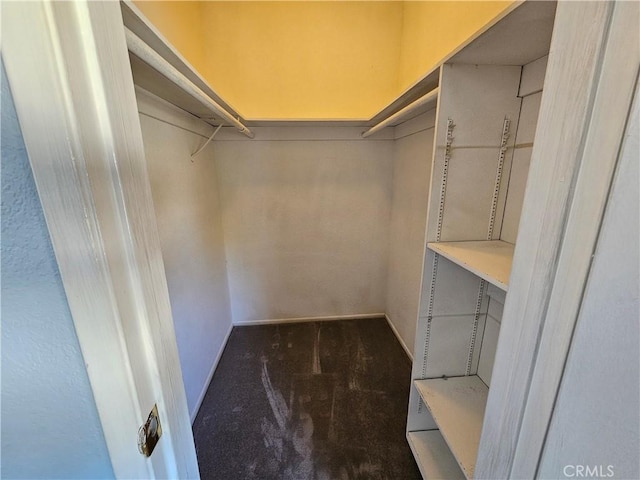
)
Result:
{"points": [[306, 216], [317, 60], [303, 60], [187, 207]]}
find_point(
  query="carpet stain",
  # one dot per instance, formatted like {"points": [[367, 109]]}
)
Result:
{"points": [[309, 401]]}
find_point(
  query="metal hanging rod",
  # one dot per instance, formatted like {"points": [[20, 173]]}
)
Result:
{"points": [[140, 49], [431, 96]]}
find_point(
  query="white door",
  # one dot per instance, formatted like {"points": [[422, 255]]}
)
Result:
{"points": [[70, 76]]}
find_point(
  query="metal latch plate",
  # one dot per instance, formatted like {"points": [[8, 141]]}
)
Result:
{"points": [[149, 433]]}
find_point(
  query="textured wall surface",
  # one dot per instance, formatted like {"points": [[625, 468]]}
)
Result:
{"points": [[411, 175], [185, 196], [50, 425], [306, 223], [595, 421]]}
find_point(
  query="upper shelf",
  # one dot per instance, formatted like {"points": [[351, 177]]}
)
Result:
{"points": [[532, 20], [425, 85], [522, 36], [489, 259], [153, 81]]}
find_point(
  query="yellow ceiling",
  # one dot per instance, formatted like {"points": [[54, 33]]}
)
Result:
{"points": [[316, 60]]}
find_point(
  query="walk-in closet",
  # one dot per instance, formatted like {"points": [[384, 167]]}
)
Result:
{"points": [[428, 273]]}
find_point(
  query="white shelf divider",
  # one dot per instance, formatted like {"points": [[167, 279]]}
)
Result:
{"points": [[488, 259], [457, 405], [433, 456]]}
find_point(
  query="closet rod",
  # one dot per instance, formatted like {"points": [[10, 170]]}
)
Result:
{"points": [[140, 49], [432, 95]]}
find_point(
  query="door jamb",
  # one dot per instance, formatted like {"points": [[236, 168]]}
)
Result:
{"points": [[71, 80]]}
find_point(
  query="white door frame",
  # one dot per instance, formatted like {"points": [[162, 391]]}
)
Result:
{"points": [[588, 91], [69, 72]]}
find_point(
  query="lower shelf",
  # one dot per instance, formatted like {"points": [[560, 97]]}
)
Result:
{"points": [[457, 405], [433, 456]]}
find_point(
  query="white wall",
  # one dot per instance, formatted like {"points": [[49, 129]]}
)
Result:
{"points": [[50, 424], [413, 151], [595, 421], [306, 216], [490, 334], [187, 207], [531, 83], [531, 92]]}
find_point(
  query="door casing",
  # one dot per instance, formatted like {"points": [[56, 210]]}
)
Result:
{"points": [[69, 72]]}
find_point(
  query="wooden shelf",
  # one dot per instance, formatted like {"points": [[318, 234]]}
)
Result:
{"points": [[433, 457], [457, 405], [488, 259], [523, 36], [149, 79]]}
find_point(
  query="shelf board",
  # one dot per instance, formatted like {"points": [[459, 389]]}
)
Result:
{"points": [[151, 80], [489, 259], [457, 405], [433, 456], [523, 36]]}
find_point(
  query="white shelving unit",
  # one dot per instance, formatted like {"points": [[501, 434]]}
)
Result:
{"points": [[484, 133], [457, 405], [488, 259]]}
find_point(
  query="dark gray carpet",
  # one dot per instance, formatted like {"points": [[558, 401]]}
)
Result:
{"points": [[320, 400]]}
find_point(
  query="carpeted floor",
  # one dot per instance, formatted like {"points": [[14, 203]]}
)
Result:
{"points": [[320, 400]]}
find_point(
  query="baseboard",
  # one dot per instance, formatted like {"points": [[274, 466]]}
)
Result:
{"points": [[309, 319], [397, 334], [194, 414]]}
